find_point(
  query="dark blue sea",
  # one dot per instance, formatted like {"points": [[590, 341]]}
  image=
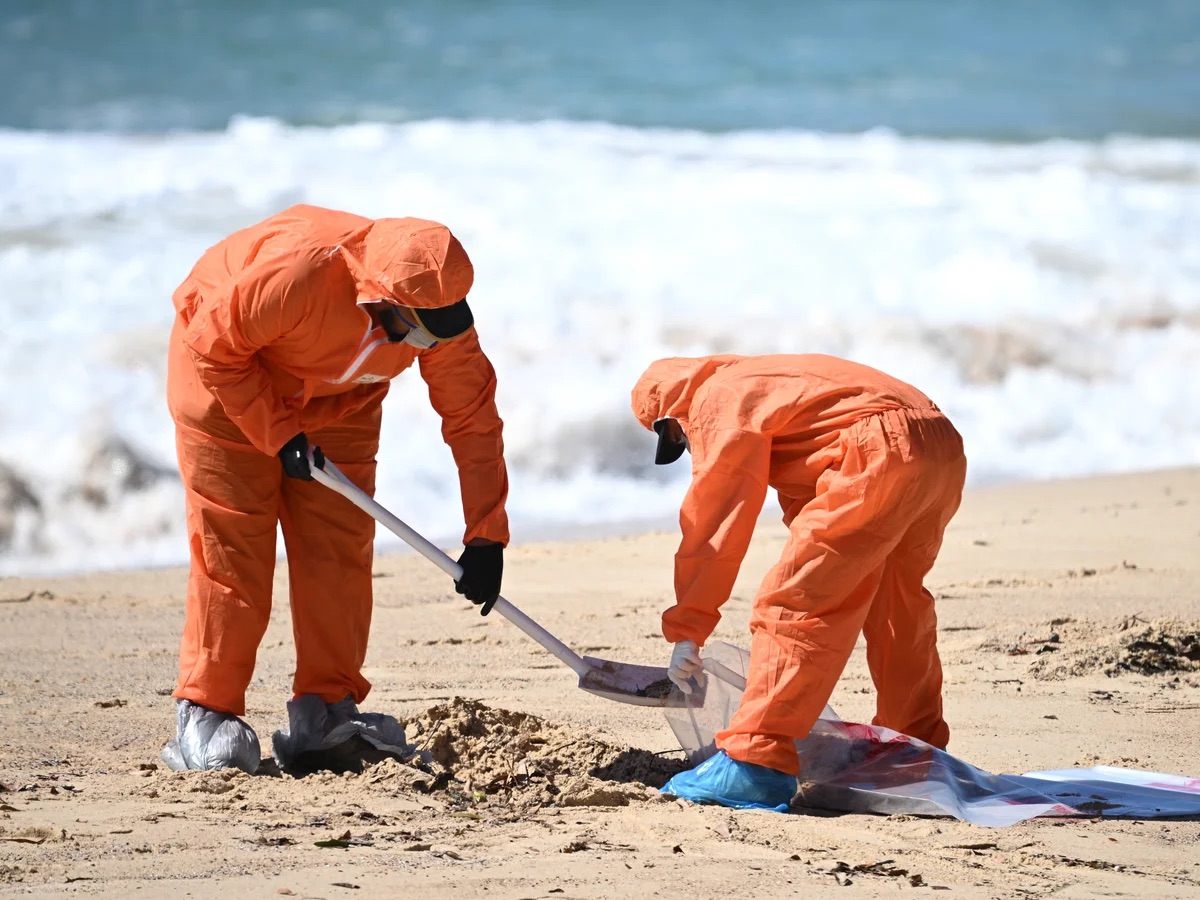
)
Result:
{"points": [[996, 201]]}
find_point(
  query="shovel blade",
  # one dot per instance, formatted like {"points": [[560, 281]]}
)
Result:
{"points": [[630, 683]]}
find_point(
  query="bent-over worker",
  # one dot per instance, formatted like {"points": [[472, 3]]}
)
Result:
{"points": [[286, 337], [868, 472]]}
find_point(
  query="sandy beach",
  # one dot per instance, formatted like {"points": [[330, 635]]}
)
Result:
{"points": [[548, 791]]}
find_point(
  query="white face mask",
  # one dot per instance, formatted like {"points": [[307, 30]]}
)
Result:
{"points": [[417, 336], [420, 338]]}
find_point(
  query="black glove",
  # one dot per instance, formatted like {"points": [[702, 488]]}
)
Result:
{"points": [[294, 456], [483, 566]]}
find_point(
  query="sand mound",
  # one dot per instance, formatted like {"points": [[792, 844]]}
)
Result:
{"points": [[483, 756], [469, 757], [1131, 646]]}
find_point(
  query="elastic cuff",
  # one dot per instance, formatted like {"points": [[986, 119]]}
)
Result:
{"points": [[773, 751], [197, 696]]}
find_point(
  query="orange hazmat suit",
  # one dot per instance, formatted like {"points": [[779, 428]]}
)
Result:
{"points": [[868, 472], [270, 340]]}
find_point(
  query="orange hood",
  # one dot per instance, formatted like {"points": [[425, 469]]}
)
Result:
{"points": [[667, 386], [412, 262]]}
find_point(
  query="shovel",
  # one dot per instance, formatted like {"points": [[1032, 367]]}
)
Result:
{"points": [[623, 682]]}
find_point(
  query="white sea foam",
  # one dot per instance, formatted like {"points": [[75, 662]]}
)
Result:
{"points": [[1047, 296]]}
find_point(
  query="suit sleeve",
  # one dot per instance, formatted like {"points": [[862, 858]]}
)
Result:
{"points": [[462, 390], [717, 519], [225, 335]]}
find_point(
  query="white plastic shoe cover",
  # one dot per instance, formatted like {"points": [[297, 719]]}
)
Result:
{"points": [[207, 739], [318, 726]]}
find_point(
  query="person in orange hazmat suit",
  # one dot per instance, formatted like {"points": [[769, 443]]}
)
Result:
{"points": [[287, 334], [868, 472]]}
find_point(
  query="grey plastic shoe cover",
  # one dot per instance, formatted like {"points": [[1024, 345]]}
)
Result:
{"points": [[316, 727], [207, 739]]}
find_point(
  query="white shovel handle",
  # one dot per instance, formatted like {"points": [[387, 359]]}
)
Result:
{"points": [[333, 478]]}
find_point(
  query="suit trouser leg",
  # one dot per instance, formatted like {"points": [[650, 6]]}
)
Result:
{"points": [[901, 627], [813, 604], [329, 545], [232, 495]]}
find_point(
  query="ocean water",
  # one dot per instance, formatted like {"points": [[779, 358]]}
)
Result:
{"points": [[997, 202]]}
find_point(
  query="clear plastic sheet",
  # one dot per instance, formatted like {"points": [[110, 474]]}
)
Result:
{"points": [[851, 767]]}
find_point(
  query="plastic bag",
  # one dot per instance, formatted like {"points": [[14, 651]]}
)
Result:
{"points": [[336, 737], [697, 718], [207, 739], [851, 767]]}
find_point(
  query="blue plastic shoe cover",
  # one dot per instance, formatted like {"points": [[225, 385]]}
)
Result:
{"points": [[738, 785]]}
